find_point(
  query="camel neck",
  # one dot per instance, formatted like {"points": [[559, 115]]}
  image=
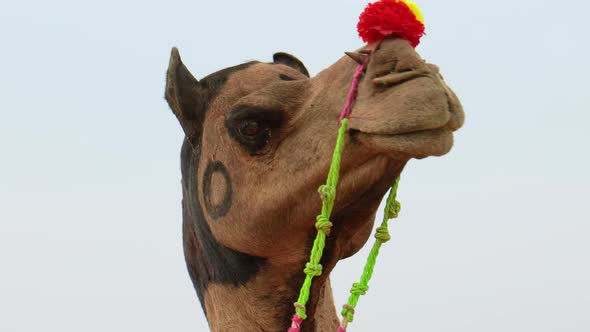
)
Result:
{"points": [[266, 304]]}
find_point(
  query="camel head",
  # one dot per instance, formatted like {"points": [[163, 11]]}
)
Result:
{"points": [[259, 140]]}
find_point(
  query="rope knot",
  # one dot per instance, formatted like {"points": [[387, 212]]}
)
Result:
{"points": [[382, 234], [327, 193], [301, 313], [348, 313], [393, 209], [359, 289], [314, 270], [323, 224]]}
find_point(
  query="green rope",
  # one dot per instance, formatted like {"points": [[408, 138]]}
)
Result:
{"points": [[392, 209], [328, 194], [323, 225]]}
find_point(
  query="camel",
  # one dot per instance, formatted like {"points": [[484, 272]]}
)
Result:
{"points": [[258, 142]]}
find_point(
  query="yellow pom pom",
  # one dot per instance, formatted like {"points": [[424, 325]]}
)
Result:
{"points": [[415, 9]]}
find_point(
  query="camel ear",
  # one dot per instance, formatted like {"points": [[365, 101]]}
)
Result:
{"points": [[183, 96], [291, 61]]}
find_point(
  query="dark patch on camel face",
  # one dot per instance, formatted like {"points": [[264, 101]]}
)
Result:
{"points": [[217, 204], [207, 260]]}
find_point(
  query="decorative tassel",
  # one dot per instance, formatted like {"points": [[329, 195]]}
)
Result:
{"points": [[389, 18]]}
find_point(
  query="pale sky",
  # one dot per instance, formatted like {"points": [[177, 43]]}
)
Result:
{"points": [[492, 237]]}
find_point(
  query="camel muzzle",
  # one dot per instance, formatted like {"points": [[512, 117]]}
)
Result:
{"points": [[404, 106]]}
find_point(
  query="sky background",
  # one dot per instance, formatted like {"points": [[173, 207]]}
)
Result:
{"points": [[492, 237]]}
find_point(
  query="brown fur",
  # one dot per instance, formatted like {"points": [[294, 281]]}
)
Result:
{"points": [[404, 110]]}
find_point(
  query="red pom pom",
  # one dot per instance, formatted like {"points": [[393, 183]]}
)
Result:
{"points": [[389, 18]]}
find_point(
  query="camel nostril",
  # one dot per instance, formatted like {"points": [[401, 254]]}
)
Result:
{"points": [[404, 66], [396, 77]]}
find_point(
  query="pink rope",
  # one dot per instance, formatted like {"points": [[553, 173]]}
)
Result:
{"points": [[296, 324], [350, 99]]}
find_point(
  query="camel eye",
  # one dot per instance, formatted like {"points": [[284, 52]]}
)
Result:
{"points": [[252, 134], [253, 127], [250, 128]]}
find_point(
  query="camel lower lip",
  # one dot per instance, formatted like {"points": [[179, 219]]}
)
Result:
{"points": [[412, 144], [400, 133]]}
